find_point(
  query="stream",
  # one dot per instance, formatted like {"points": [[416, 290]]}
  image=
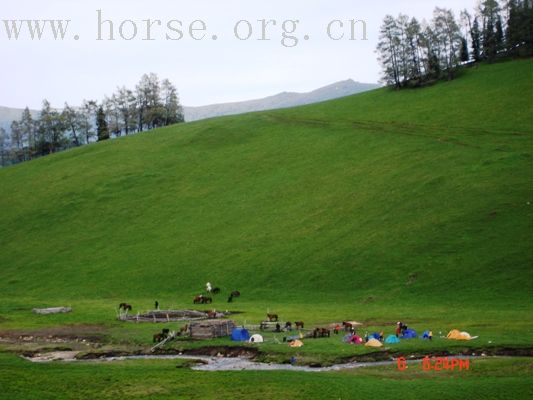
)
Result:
{"points": [[207, 363]]}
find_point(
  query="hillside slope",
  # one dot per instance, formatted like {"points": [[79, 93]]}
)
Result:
{"points": [[413, 196]]}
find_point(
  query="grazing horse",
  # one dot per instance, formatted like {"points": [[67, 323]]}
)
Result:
{"points": [[159, 337], [235, 293], [199, 299], [272, 317], [215, 290], [299, 324], [124, 306], [288, 326], [321, 333], [207, 300], [347, 326]]}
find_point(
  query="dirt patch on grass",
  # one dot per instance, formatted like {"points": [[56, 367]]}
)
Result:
{"points": [[60, 334]]}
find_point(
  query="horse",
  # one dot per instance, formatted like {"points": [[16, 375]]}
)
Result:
{"points": [[159, 337], [212, 314], [288, 326], [215, 290], [206, 300], [321, 332], [235, 293], [347, 326], [272, 317], [299, 324], [199, 299], [124, 306]]}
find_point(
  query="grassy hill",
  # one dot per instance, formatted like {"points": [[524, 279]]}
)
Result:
{"points": [[378, 201]]}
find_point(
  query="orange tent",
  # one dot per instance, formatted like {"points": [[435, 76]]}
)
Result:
{"points": [[373, 343], [456, 335], [296, 343]]}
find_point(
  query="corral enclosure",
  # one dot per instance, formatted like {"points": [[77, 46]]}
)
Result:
{"points": [[212, 328]]}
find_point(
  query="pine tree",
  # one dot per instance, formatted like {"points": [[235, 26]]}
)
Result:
{"points": [[3, 147], [476, 41], [28, 127], [500, 40], [87, 118], [464, 55], [490, 11], [73, 123], [388, 50], [173, 109], [50, 130], [101, 125]]}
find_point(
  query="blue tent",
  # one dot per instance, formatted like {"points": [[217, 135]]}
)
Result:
{"points": [[409, 334], [392, 339], [425, 335], [240, 335], [374, 335]]}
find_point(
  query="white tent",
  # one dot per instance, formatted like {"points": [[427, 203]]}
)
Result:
{"points": [[256, 339]]}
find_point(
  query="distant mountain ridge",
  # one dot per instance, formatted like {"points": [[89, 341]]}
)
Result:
{"points": [[280, 100]]}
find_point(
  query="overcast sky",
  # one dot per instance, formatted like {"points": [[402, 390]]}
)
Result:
{"points": [[205, 71]]}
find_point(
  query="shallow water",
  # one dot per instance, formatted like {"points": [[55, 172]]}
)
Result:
{"points": [[210, 363]]}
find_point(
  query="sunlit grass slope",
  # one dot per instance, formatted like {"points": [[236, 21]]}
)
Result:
{"points": [[419, 196]]}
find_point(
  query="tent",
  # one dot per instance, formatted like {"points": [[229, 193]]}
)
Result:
{"points": [[256, 339], [352, 339], [425, 335], [240, 335], [374, 335], [296, 343], [456, 335], [373, 343], [392, 339], [409, 334]]}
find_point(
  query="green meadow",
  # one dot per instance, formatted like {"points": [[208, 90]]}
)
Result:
{"points": [[412, 205]]}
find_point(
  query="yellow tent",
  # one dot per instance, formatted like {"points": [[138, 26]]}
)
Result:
{"points": [[456, 335], [296, 343], [373, 343]]}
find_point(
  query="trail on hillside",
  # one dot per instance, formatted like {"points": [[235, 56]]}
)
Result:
{"points": [[403, 128]]}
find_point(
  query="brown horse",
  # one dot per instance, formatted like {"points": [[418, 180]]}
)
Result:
{"points": [[299, 324], [347, 326], [159, 337], [321, 333], [198, 299], [272, 317], [124, 306], [201, 299]]}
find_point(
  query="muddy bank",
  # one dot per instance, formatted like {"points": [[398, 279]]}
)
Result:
{"points": [[63, 334]]}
